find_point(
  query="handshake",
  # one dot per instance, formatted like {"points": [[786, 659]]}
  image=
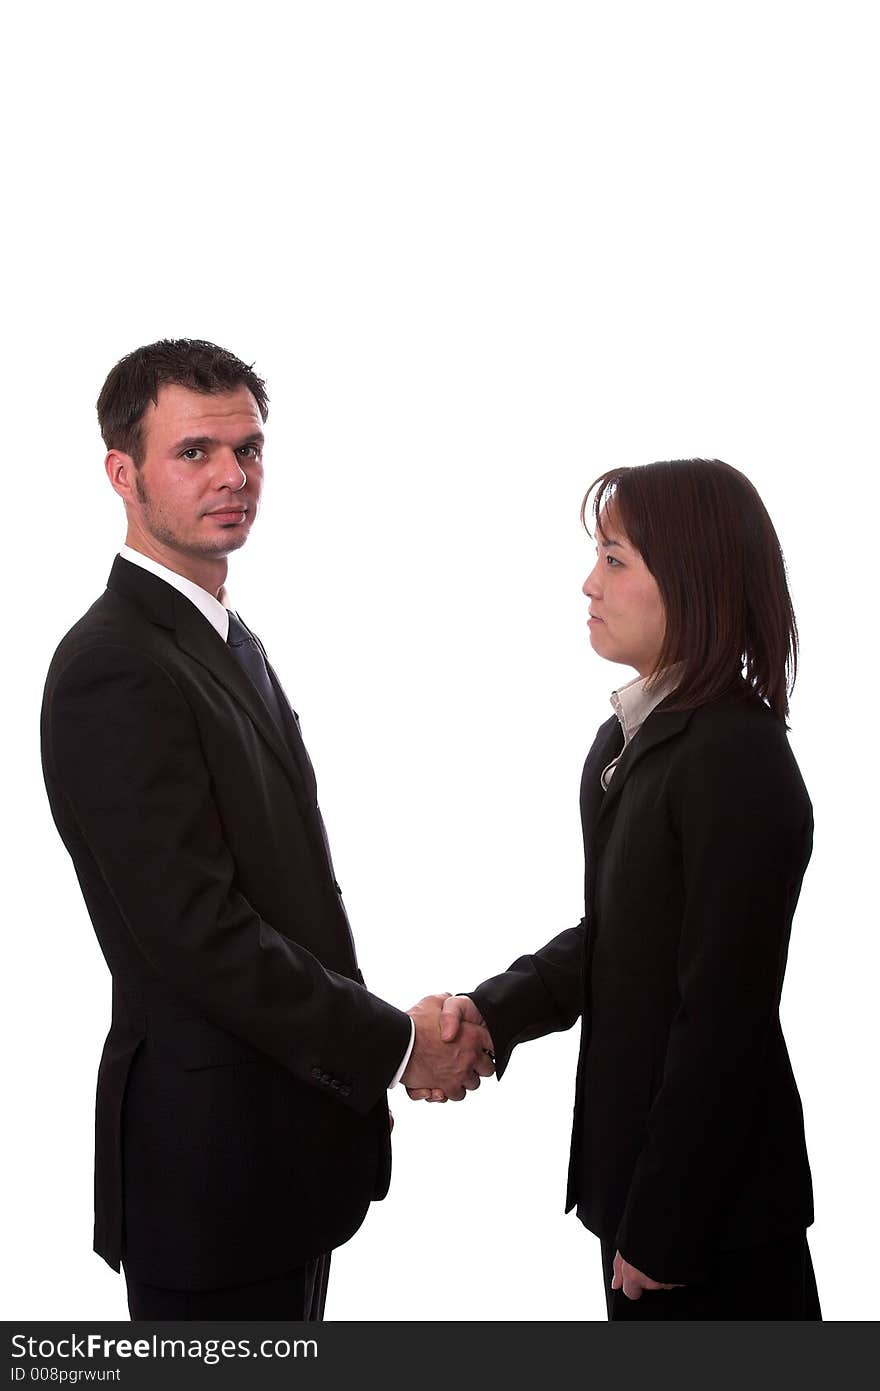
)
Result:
{"points": [[452, 1049]]}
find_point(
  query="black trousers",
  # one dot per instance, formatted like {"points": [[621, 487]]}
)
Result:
{"points": [[774, 1281], [299, 1294]]}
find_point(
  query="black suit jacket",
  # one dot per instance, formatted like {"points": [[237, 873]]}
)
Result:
{"points": [[241, 1116], [688, 1132]]}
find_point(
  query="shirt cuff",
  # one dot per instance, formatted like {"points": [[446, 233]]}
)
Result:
{"points": [[402, 1069]]}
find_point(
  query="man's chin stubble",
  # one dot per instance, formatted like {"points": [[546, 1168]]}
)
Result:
{"points": [[204, 547]]}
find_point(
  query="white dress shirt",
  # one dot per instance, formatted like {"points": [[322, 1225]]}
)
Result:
{"points": [[632, 704], [215, 610]]}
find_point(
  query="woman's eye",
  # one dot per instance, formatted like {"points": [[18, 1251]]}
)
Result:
{"points": [[611, 560]]}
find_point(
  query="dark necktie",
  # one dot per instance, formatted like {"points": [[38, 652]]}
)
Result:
{"points": [[246, 651]]}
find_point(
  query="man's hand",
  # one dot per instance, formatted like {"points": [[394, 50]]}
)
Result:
{"points": [[457, 1010], [633, 1282], [451, 1052]]}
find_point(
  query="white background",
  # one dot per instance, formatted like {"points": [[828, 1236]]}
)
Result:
{"points": [[480, 251]]}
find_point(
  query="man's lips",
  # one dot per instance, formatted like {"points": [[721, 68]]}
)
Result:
{"points": [[228, 513]]}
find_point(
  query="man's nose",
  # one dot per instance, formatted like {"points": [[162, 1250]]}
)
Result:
{"points": [[231, 474]]}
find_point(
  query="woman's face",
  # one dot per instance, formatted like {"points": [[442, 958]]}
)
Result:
{"points": [[627, 617]]}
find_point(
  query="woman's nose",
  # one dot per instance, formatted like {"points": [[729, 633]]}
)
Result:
{"points": [[590, 586]]}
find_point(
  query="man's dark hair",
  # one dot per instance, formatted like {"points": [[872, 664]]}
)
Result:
{"points": [[706, 537], [135, 381]]}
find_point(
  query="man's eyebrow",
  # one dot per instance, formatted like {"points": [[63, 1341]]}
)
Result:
{"points": [[206, 441]]}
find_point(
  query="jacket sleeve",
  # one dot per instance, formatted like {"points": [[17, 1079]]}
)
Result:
{"points": [[543, 993], [746, 836], [538, 994], [122, 744]]}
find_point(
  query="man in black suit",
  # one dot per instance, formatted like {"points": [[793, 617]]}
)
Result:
{"points": [[242, 1125]]}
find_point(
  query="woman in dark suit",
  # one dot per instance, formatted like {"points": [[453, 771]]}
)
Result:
{"points": [[688, 1158]]}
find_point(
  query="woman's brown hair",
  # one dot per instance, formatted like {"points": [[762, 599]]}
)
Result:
{"points": [[705, 535]]}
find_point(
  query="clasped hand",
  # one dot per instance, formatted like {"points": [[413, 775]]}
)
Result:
{"points": [[452, 1050]]}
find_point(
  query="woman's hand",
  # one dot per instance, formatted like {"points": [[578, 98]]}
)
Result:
{"points": [[633, 1282], [457, 1010]]}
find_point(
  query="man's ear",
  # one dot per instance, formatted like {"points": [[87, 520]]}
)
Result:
{"points": [[121, 471]]}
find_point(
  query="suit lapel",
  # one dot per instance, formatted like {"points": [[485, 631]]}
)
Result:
{"points": [[291, 726], [204, 644], [195, 636], [597, 807], [314, 819], [606, 746], [659, 726]]}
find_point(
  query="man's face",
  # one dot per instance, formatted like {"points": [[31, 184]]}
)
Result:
{"points": [[198, 488]]}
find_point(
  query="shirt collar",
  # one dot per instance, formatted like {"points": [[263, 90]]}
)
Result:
{"points": [[633, 703], [215, 610]]}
